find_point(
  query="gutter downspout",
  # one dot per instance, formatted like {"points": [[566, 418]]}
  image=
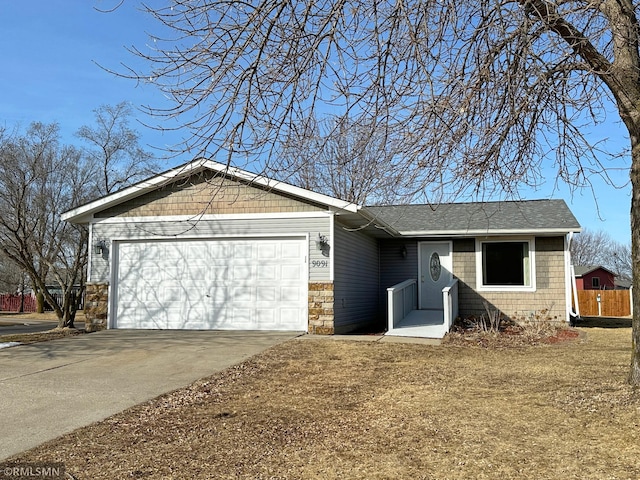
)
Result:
{"points": [[572, 315]]}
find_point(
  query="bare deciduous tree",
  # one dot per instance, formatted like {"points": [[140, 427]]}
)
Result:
{"points": [[481, 94], [348, 160], [590, 248], [11, 277], [39, 179], [114, 149]]}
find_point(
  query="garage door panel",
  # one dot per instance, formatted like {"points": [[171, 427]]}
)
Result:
{"points": [[242, 317], [292, 251], [290, 292], [267, 319], [218, 294], [268, 272], [242, 273], [242, 252], [266, 294], [288, 315], [211, 284], [267, 251], [241, 295], [197, 253], [170, 294], [291, 273], [218, 273]]}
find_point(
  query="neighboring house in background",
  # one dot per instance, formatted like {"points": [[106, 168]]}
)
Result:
{"points": [[204, 246], [594, 277]]}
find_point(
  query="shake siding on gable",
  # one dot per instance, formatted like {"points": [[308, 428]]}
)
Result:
{"points": [[355, 286], [207, 194], [548, 299]]}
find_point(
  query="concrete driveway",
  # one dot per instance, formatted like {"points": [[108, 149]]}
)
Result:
{"points": [[51, 388]]}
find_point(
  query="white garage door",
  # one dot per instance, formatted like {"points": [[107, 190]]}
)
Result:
{"points": [[211, 284]]}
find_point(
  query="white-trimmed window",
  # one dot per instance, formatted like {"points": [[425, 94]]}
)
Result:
{"points": [[506, 264]]}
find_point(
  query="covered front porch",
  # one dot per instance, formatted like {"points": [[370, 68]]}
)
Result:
{"points": [[406, 320]]}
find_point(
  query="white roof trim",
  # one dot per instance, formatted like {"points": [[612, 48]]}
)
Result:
{"points": [[486, 232], [282, 186], [85, 212]]}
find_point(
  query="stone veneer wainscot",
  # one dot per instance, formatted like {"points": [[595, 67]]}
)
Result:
{"points": [[321, 308], [95, 306]]}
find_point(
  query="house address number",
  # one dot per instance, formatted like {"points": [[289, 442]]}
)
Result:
{"points": [[320, 263]]}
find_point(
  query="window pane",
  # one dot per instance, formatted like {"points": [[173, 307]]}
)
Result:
{"points": [[505, 263]]}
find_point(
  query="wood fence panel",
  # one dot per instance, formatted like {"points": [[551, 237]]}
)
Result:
{"points": [[613, 303], [11, 303]]}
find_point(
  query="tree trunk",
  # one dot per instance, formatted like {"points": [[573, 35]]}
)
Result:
{"points": [[634, 373], [39, 302], [22, 294]]}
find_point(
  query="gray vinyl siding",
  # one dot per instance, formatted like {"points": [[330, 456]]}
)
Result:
{"points": [[156, 230], [355, 280], [395, 268]]}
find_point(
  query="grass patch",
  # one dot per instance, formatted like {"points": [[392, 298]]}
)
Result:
{"points": [[371, 410]]}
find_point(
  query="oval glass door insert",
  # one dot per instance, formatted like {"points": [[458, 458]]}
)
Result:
{"points": [[435, 267]]}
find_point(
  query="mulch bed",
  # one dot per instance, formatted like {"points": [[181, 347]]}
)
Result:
{"points": [[466, 332]]}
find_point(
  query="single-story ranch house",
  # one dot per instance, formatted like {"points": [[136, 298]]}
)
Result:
{"points": [[206, 246]]}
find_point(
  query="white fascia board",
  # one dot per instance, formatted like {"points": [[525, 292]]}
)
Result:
{"points": [[84, 213], [484, 233], [281, 186]]}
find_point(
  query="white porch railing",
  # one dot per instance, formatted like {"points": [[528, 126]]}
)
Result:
{"points": [[402, 299], [450, 301]]}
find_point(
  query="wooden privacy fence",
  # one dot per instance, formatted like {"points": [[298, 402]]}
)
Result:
{"points": [[11, 303], [613, 303]]}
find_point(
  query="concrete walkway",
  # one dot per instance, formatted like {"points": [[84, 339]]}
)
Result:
{"points": [[372, 338], [51, 388]]}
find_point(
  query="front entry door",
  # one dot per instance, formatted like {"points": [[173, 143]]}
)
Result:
{"points": [[435, 273]]}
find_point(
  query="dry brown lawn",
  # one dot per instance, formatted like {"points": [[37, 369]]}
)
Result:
{"points": [[26, 338], [323, 409], [45, 336]]}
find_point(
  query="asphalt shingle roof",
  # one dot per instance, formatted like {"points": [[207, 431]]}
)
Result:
{"points": [[482, 217], [581, 270]]}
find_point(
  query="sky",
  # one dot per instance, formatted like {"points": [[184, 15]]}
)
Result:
{"points": [[50, 72]]}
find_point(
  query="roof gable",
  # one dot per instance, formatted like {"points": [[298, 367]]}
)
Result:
{"points": [[582, 270], [85, 213], [208, 193]]}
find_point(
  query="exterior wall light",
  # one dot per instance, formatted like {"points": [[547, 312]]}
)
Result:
{"points": [[100, 247], [322, 244]]}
